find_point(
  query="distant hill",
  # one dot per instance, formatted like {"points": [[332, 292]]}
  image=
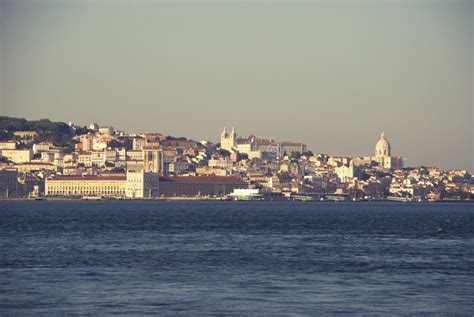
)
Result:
{"points": [[58, 132]]}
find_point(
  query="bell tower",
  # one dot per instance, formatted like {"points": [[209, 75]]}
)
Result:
{"points": [[228, 141]]}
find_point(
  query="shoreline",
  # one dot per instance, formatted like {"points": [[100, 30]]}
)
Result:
{"points": [[224, 200]]}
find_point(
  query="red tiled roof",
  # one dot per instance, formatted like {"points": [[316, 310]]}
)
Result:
{"points": [[90, 178], [203, 179]]}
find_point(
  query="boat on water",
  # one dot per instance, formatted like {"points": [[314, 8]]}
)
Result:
{"points": [[303, 198], [336, 198], [241, 194], [39, 198], [397, 198], [91, 198]]}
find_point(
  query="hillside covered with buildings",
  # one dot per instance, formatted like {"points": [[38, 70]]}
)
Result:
{"points": [[56, 159]]}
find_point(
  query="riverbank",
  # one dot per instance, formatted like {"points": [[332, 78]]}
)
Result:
{"points": [[223, 199]]}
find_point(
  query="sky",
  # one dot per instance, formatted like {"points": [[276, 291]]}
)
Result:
{"points": [[331, 74]]}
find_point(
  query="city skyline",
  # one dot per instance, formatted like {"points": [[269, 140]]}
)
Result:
{"points": [[218, 140], [237, 157], [59, 159], [328, 74]]}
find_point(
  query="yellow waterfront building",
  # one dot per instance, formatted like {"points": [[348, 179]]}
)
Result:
{"points": [[108, 186], [135, 184]]}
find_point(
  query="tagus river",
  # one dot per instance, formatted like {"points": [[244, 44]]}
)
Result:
{"points": [[133, 258]]}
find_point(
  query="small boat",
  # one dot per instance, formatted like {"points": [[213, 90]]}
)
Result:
{"points": [[40, 198], [303, 198], [91, 198], [397, 198]]}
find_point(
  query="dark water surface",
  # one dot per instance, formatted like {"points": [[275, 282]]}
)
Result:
{"points": [[202, 258]]}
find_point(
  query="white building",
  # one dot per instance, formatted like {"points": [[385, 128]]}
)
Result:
{"points": [[94, 127], [222, 163], [98, 144], [254, 147], [106, 130], [47, 157], [18, 156], [345, 173], [291, 147], [8, 145], [153, 160], [383, 155], [135, 155], [273, 182], [98, 159], [41, 147], [121, 154], [228, 141], [141, 184]]}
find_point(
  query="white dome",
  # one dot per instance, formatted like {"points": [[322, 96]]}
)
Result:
{"points": [[382, 148]]}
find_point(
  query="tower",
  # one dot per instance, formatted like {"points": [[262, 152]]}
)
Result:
{"points": [[382, 148], [153, 160], [228, 141]]}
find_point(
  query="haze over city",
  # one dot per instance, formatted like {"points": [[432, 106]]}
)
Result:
{"points": [[236, 157], [331, 74]]}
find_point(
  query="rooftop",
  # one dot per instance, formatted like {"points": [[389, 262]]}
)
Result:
{"points": [[203, 179], [90, 178]]}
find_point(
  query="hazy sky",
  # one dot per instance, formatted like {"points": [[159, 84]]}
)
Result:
{"points": [[332, 74]]}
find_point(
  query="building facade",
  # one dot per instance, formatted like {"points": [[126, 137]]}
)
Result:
{"points": [[8, 182], [7, 145], [228, 141], [383, 155], [153, 160], [192, 186], [77, 186], [141, 184], [18, 156]]}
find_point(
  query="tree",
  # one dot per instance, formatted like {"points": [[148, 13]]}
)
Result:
{"points": [[109, 164], [114, 144], [5, 135], [127, 143], [118, 170], [81, 130], [59, 133], [68, 149], [3, 159], [224, 153], [284, 177], [296, 155]]}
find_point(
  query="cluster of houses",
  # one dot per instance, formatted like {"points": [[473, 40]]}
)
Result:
{"points": [[113, 164]]}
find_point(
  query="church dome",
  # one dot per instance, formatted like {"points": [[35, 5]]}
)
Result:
{"points": [[382, 148]]}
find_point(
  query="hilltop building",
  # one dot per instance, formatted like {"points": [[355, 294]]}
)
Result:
{"points": [[8, 145], [262, 148], [229, 141], [382, 156], [18, 156]]}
